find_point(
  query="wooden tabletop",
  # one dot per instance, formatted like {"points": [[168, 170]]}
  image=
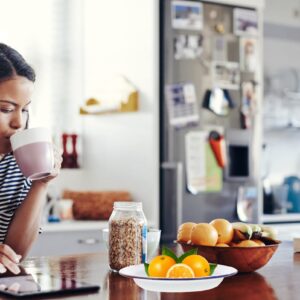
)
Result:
{"points": [[279, 279]]}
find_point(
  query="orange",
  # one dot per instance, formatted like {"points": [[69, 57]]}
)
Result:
{"points": [[204, 234], [247, 243], [180, 271], [222, 245], [199, 265], [224, 229], [259, 242], [160, 265], [184, 232]]}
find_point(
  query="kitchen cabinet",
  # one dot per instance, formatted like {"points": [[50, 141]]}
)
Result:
{"points": [[281, 218], [289, 16], [287, 232], [280, 155], [70, 237]]}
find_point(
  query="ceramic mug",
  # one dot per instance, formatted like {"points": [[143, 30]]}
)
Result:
{"points": [[33, 152]]}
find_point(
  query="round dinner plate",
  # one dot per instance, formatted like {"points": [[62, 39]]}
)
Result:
{"points": [[177, 285]]}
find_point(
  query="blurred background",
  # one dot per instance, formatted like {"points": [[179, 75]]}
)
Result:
{"points": [[92, 56]]}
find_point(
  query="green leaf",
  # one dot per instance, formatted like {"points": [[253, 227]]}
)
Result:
{"points": [[146, 266], [169, 252], [186, 254], [212, 268]]}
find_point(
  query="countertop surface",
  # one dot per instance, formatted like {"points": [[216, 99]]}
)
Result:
{"points": [[76, 225], [279, 279], [73, 225]]}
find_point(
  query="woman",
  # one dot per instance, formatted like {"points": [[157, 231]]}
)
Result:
{"points": [[21, 201]]}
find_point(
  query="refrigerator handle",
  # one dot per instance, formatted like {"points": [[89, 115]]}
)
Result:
{"points": [[178, 168]]}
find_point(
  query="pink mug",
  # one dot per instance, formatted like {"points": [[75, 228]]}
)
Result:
{"points": [[33, 151]]}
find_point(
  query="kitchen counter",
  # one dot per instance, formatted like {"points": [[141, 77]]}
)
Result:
{"points": [[279, 279], [74, 225], [69, 237]]}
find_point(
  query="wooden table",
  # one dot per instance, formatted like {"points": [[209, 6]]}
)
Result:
{"points": [[279, 279]]}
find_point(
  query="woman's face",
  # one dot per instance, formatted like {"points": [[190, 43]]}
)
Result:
{"points": [[15, 97]]}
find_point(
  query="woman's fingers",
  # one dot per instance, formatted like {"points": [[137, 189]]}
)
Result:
{"points": [[57, 153], [9, 265], [9, 259], [57, 160], [15, 287], [2, 269], [10, 253]]}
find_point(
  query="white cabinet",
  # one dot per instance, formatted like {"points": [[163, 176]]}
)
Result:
{"points": [[280, 158], [287, 232], [72, 237], [288, 15]]}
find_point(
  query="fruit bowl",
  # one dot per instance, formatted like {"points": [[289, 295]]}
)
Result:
{"points": [[244, 259]]}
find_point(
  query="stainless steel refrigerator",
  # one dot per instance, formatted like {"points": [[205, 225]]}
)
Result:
{"points": [[204, 76]]}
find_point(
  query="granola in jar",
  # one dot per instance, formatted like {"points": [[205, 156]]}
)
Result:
{"points": [[127, 235]]}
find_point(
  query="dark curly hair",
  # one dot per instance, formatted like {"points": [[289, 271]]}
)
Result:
{"points": [[13, 64]]}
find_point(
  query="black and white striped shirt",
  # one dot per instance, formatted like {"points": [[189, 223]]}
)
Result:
{"points": [[14, 188]]}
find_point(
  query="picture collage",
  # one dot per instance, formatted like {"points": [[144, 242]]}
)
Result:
{"points": [[196, 25], [213, 60]]}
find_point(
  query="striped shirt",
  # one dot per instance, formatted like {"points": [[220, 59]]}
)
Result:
{"points": [[14, 188]]}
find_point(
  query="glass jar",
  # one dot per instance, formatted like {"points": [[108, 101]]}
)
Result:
{"points": [[127, 235]]}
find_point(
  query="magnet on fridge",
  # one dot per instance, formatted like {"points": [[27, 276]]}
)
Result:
{"points": [[217, 144], [218, 101]]}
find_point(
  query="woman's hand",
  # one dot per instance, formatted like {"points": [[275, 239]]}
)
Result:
{"points": [[9, 260], [57, 165]]}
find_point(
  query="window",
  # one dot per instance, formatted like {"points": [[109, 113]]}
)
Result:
{"points": [[48, 34]]}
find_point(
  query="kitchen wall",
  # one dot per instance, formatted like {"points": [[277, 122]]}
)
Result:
{"points": [[120, 151]]}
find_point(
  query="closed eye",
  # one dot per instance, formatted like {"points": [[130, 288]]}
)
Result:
{"points": [[6, 110]]}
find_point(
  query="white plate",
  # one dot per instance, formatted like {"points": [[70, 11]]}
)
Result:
{"points": [[177, 285]]}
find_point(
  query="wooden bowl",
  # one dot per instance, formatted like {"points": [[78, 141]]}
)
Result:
{"points": [[244, 259]]}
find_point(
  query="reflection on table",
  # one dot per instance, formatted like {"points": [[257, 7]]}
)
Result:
{"points": [[279, 279]]}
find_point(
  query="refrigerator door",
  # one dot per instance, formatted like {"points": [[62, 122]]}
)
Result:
{"points": [[199, 69]]}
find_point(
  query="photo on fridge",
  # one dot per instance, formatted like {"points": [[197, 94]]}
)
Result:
{"points": [[187, 15], [220, 48], [226, 74], [187, 46], [182, 104], [248, 54], [245, 22]]}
